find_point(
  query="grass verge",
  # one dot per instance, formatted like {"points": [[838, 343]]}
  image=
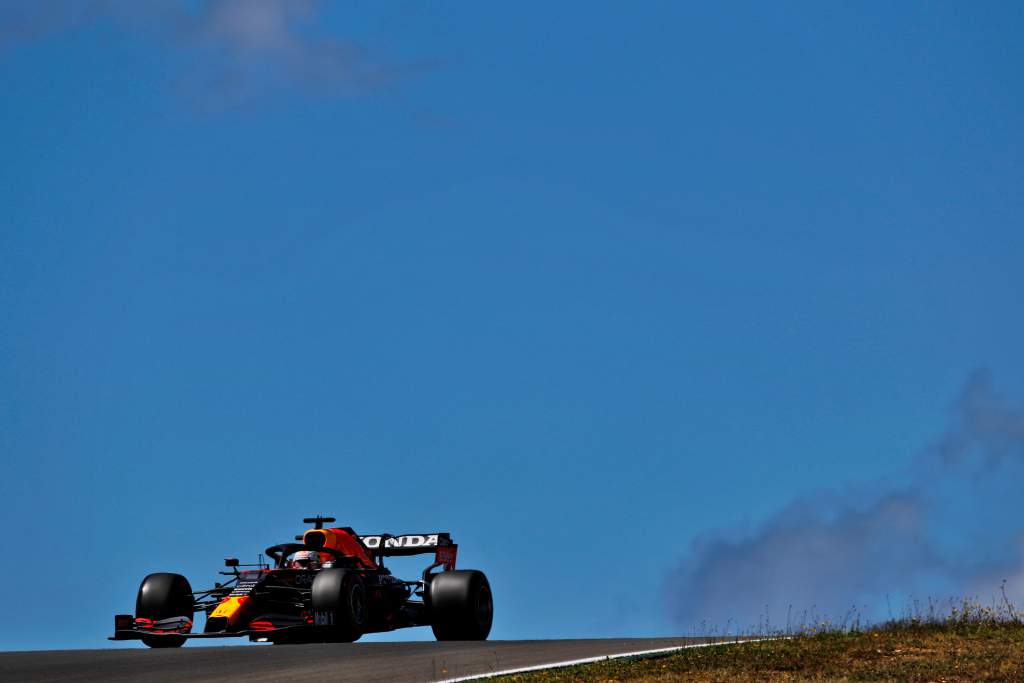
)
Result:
{"points": [[900, 651]]}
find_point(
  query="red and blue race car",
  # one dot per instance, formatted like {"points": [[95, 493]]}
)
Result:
{"points": [[330, 586]]}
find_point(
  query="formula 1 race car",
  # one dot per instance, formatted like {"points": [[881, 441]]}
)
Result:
{"points": [[330, 587]]}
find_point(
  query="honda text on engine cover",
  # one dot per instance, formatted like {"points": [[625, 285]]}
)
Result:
{"points": [[330, 587]]}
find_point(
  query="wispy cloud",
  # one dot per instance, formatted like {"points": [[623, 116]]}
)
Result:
{"points": [[226, 49], [951, 527], [277, 43]]}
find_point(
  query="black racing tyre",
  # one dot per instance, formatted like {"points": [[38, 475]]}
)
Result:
{"points": [[460, 604], [339, 605], [162, 596]]}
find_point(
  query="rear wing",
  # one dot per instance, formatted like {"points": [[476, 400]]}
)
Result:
{"points": [[406, 544], [440, 544]]}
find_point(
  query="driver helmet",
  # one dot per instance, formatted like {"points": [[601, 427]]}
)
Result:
{"points": [[306, 559]]}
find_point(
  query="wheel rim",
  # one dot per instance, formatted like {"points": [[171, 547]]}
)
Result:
{"points": [[357, 605]]}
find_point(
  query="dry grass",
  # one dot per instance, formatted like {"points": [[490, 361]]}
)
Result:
{"points": [[969, 643]]}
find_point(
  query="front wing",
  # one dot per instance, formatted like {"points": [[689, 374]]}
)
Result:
{"points": [[127, 627]]}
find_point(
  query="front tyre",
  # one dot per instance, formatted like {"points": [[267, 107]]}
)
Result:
{"points": [[162, 596], [339, 605], [461, 606]]}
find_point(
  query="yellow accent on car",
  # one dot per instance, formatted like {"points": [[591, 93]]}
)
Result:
{"points": [[231, 609]]}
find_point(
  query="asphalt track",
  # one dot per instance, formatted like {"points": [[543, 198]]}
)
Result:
{"points": [[393, 662]]}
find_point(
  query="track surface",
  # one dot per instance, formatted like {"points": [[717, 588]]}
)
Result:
{"points": [[397, 662]]}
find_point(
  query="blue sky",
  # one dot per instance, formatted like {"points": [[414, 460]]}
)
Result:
{"points": [[580, 284]]}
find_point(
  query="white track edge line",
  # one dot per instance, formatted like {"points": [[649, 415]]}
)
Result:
{"points": [[598, 658]]}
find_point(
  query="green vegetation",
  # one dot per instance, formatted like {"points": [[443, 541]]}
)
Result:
{"points": [[968, 643]]}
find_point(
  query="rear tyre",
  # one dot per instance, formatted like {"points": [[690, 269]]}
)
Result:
{"points": [[162, 596], [460, 604], [339, 605]]}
